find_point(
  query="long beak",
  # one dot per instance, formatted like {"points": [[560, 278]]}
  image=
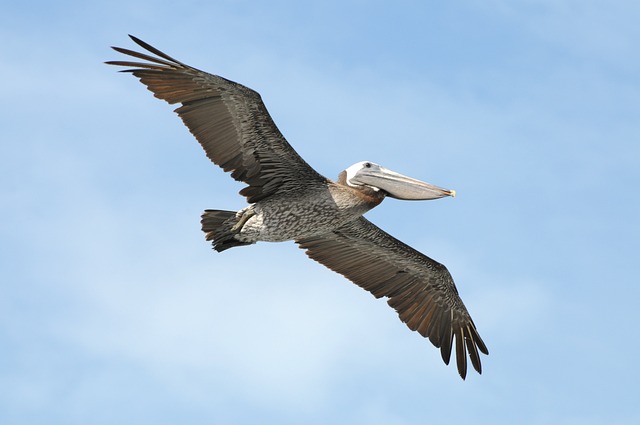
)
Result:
{"points": [[401, 187]]}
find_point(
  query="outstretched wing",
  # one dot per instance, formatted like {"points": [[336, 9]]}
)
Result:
{"points": [[228, 119], [420, 289]]}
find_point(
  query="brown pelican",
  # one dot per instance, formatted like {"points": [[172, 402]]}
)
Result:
{"points": [[289, 200]]}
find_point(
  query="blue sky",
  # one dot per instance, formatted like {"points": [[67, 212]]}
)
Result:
{"points": [[113, 308]]}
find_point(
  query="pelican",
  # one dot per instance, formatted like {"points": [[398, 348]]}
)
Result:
{"points": [[289, 200]]}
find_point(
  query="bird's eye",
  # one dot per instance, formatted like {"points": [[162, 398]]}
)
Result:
{"points": [[367, 165]]}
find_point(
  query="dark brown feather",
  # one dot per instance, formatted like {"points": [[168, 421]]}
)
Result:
{"points": [[461, 355], [228, 119], [419, 289]]}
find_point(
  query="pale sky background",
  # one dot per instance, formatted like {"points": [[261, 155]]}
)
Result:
{"points": [[114, 310]]}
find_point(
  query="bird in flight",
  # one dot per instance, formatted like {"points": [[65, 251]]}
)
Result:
{"points": [[289, 200]]}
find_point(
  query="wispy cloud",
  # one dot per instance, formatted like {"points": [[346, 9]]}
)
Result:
{"points": [[114, 304]]}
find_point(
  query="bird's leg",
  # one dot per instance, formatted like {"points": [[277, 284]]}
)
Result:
{"points": [[246, 215]]}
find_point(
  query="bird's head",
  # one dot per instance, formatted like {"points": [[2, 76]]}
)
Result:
{"points": [[369, 174]]}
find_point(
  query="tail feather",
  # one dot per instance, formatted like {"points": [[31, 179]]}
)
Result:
{"points": [[218, 224]]}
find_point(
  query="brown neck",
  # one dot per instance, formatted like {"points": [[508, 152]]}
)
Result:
{"points": [[370, 196]]}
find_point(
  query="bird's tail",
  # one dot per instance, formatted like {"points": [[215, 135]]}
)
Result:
{"points": [[221, 228]]}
